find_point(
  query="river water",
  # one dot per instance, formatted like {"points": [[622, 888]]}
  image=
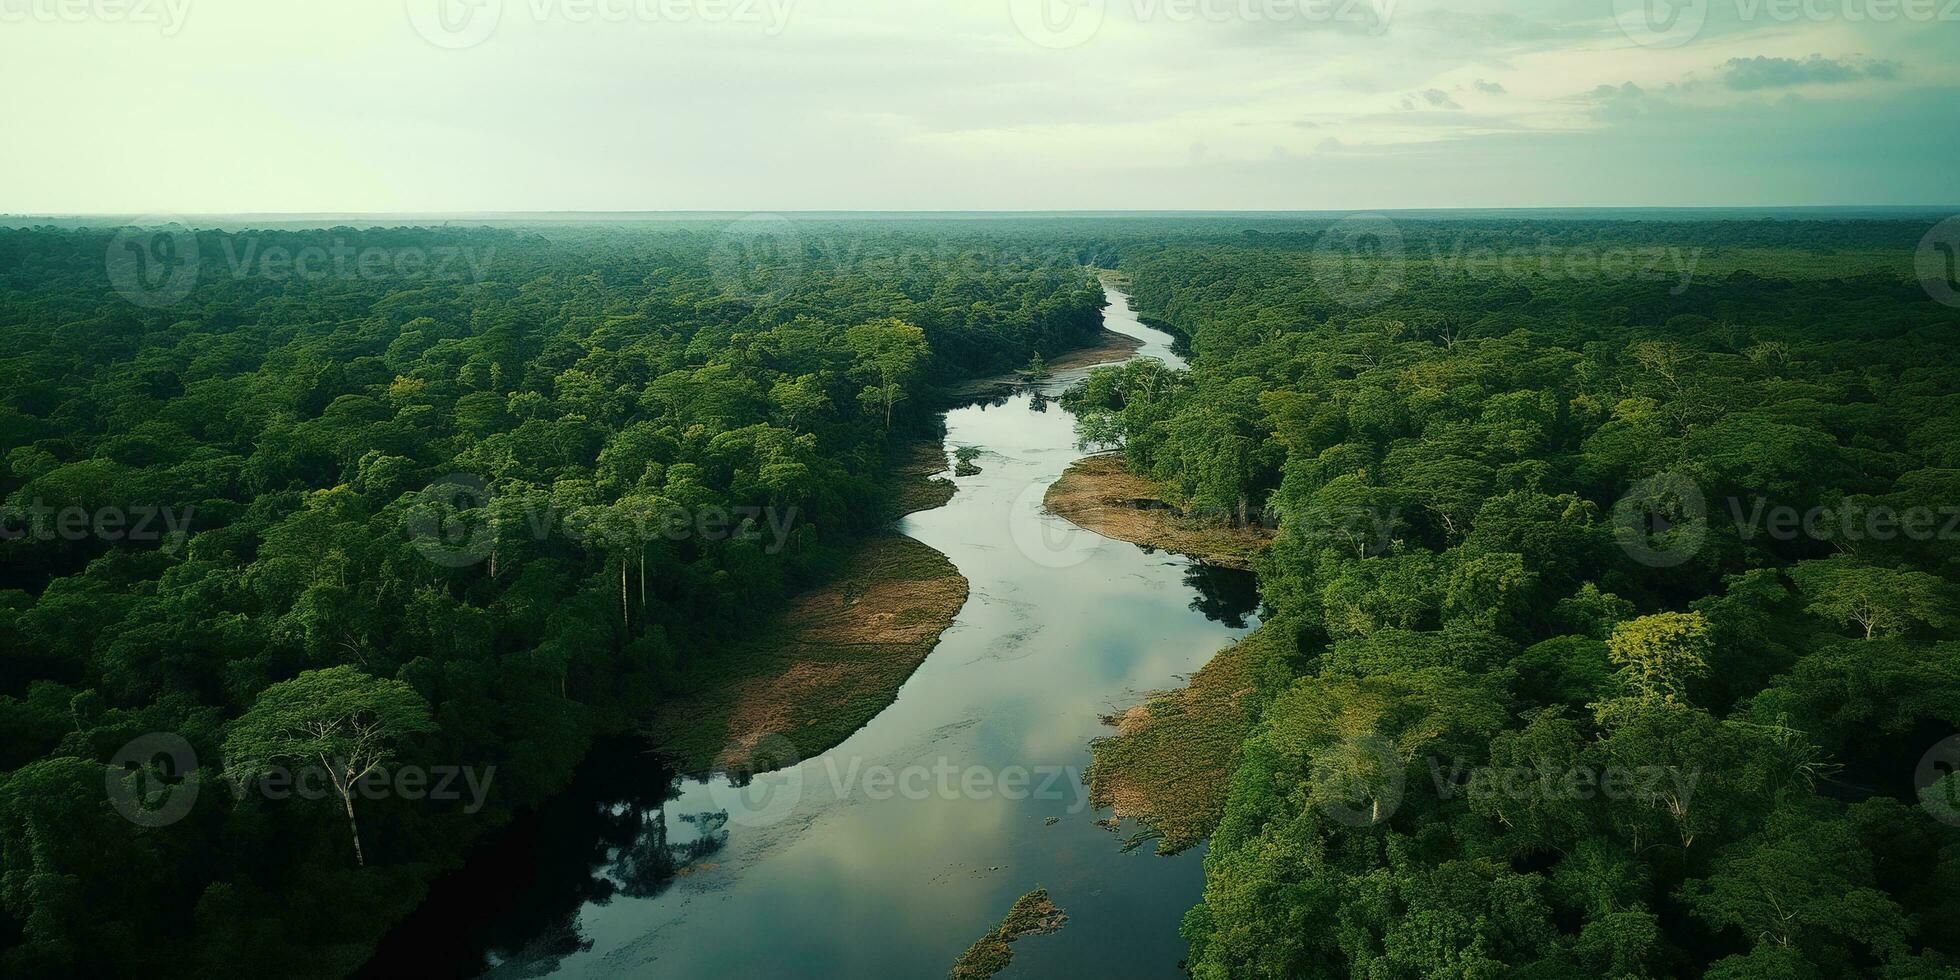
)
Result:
{"points": [[889, 854]]}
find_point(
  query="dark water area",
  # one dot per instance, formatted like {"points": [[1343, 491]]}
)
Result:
{"points": [[888, 854]]}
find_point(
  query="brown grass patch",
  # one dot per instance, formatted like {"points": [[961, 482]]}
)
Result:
{"points": [[1108, 348], [1099, 494], [820, 669], [1170, 762]]}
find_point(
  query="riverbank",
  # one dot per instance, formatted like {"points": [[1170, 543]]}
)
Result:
{"points": [[1098, 494], [1110, 347], [1170, 761], [819, 669], [915, 474], [837, 655], [1169, 765], [825, 856]]}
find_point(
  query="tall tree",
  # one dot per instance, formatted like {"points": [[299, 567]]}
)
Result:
{"points": [[340, 719]]}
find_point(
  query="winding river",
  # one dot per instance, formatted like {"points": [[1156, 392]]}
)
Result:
{"points": [[889, 854]]}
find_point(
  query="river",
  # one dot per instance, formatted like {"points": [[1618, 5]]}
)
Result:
{"points": [[889, 854]]}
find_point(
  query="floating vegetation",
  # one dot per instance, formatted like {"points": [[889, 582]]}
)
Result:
{"points": [[1032, 915]]}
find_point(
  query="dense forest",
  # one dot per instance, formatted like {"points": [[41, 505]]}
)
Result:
{"points": [[446, 498], [1618, 611], [1611, 613]]}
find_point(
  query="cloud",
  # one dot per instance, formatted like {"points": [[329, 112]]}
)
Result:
{"points": [[1489, 88], [1749, 74], [1627, 90], [1439, 98], [1619, 103]]}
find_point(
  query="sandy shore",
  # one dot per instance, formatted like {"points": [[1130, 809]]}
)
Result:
{"points": [[1098, 494], [818, 670], [1170, 761]]}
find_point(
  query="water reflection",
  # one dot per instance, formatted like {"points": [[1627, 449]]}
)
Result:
{"points": [[1224, 595], [820, 873], [514, 910]]}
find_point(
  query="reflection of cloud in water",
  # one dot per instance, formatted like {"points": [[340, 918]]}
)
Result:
{"points": [[777, 899]]}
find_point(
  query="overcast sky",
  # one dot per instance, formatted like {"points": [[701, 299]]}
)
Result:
{"points": [[203, 106]]}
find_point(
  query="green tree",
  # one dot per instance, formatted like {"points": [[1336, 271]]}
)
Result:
{"points": [[346, 722], [1879, 600], [1659, 655], [889, 354]]}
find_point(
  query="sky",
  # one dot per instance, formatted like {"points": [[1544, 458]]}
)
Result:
{"points": [[230, 106]]}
